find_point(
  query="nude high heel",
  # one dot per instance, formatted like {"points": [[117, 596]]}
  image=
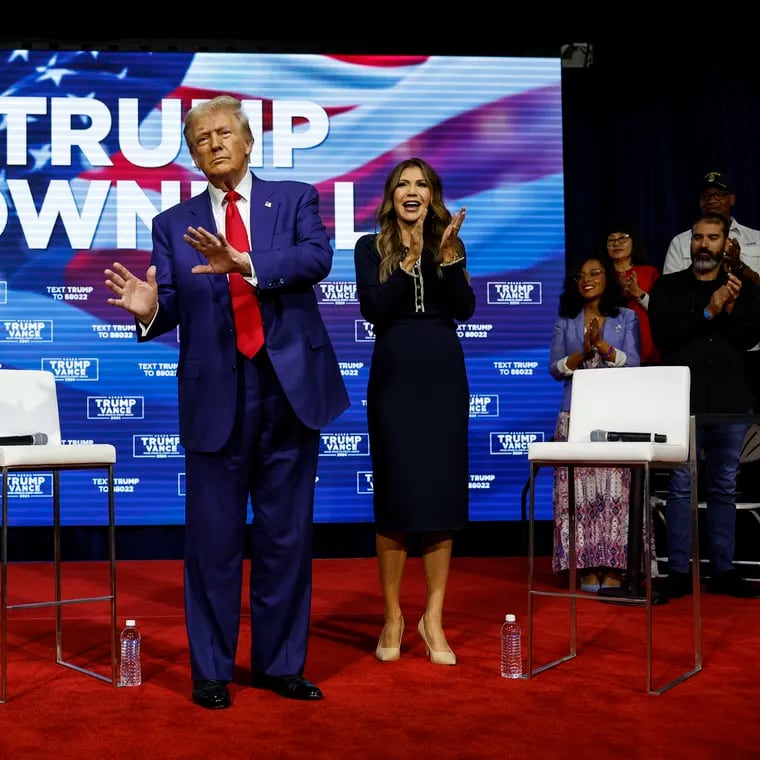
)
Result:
{"points": [[388, 654], [446, 657]]}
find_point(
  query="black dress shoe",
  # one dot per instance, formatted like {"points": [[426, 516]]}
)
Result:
{"points": [[213, 695], [679, 584], [732, 584], [292, 687]]}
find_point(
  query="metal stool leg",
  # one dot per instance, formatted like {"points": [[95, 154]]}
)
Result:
{"points": [[58, 602]]}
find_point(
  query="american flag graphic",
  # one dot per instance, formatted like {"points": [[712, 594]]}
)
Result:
{"points": [[91, 149]]}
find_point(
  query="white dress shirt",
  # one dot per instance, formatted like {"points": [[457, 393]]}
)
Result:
{"points": [[678, 256]]}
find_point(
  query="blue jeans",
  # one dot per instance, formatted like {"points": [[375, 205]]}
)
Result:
{"points": [[722, 446]]}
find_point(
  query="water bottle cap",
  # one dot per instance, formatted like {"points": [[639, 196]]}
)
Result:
{"points": [[131, 623], [510, 618]]}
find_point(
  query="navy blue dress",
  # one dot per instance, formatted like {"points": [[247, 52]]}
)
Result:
{"points": [[418, 399]]}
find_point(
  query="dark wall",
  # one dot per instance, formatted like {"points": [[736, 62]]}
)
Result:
{"points": [[640, 134]]}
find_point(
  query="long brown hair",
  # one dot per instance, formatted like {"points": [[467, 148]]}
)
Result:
{"points": [[388, 241]]}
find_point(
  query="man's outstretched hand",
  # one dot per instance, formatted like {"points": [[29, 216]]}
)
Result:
{"points": [[139, 297]]}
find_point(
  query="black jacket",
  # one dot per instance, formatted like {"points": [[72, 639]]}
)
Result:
{"points": [[715, 350]]}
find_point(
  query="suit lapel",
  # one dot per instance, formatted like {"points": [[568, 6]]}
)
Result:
{"points": [[199, 209], [264, 208], [199, 214]]}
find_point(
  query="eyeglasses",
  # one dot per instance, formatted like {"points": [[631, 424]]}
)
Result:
{"points": [[592, 274], [618, 239], [713, 196]]}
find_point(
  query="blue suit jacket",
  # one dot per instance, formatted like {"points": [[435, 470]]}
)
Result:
{"points": [[291, 253]]}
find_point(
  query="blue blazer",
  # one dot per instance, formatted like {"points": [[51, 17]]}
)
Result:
{"points": [[621, 331], [291, 253]]}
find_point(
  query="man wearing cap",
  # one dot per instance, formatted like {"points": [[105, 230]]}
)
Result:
{"points": [[742, 254], [743, 250]]}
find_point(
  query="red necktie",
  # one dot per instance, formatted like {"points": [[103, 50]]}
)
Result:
{"points": [[249, 327]]}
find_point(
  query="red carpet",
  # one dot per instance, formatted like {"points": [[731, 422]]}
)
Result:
{"points": [[594, 705]]}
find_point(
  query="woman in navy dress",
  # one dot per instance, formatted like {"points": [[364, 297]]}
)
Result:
{"points": [[412, 287]]}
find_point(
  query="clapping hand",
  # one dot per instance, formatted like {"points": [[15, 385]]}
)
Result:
{"points": [[630, 285], [731, 260], [593, 335], [594, 331], [448, 251], [724, 297], [416, 241]]}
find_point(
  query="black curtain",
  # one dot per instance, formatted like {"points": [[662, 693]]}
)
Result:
{"points": [[640, 135]]}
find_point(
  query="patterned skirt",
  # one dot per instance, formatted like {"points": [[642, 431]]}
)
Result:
{"points": [[602, 498]]}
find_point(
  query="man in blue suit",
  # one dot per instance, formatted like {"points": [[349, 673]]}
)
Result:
{"points": [[249, 426]]}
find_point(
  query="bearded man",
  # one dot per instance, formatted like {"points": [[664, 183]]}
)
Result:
{"points": [[706, 317]]}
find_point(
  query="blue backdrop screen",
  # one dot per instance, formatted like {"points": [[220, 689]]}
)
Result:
{"points": [[91, 150]]}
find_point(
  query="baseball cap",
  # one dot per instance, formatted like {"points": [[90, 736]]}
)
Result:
{"points": [[719, 180]]}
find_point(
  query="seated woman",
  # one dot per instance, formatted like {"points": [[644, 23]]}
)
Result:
{"points": [[593, 331]]}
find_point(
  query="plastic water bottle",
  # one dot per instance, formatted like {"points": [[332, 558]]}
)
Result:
{"points": [[130, 673], [511, 648]]}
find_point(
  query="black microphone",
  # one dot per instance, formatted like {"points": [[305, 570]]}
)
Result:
{"points": [[34, 439], [610, 435]]}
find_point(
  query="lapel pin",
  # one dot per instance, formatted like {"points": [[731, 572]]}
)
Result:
{"points": [[268, 204]]}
